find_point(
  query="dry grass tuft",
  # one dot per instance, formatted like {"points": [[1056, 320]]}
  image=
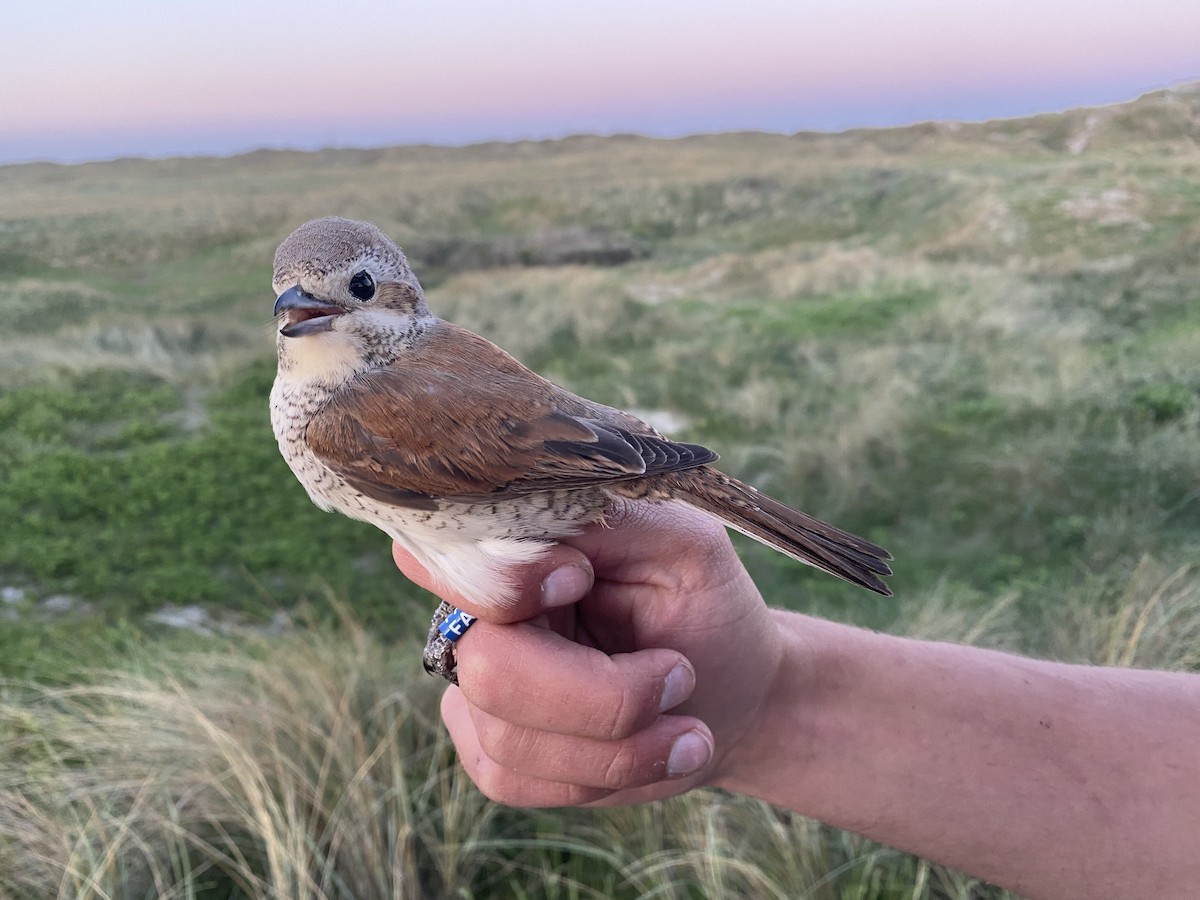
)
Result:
{"points": [[289, 769], [295, 767]]}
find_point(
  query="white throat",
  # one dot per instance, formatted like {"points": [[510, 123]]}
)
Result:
{"points": [[331, 358], [358, 341]]}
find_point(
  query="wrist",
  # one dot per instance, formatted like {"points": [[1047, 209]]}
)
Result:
{"points": [[785, 735]]}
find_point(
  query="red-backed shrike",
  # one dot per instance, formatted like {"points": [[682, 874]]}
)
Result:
{"points": [[467, 459]]}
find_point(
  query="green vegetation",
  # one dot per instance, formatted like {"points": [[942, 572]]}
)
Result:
{"points": [[112, 496], [978, 345]]}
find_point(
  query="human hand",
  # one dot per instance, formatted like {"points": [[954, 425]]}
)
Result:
{"points": [[635, 660]]}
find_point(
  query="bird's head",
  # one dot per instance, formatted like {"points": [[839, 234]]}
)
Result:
{"points": [[343, 288]]}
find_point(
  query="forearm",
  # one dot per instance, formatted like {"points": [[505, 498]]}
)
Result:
{"points": [[1050, 779]]}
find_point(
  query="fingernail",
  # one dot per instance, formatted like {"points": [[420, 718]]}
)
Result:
{"points": [[691, 753], [566, 584], [677, 687]]}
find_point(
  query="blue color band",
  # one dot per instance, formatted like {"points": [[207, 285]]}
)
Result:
{"points": [[455, 625]]}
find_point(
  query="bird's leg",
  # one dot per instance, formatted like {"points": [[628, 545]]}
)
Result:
{"points": [[438, 657]]}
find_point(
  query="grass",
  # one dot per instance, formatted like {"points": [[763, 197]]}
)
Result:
{"points": [[312, 765], [111, 492], [978, 346]]}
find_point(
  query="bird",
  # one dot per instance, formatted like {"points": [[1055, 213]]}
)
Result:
{"points": [[467, 459]]}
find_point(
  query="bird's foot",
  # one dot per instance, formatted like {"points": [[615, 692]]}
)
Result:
{"points": [[449, 624]]}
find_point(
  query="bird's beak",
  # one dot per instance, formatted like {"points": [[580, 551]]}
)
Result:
{"points": [[303, 313]]}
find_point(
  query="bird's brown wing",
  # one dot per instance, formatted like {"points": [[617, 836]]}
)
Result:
{"points": [[413, 433]]}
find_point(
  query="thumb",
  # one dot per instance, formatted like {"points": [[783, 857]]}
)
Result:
{"points": [[561, 576]]}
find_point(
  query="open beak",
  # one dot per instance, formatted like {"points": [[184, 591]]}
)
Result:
{"points": [[303, 313]]}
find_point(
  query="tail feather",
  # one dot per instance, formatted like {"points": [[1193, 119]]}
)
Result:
{"points": [[787, 530]]}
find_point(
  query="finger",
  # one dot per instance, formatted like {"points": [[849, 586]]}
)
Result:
{"points": [[670, 747], [624, 692], [561, 576], [498, 783]]}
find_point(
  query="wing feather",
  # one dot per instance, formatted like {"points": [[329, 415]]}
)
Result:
{"points": [[412, 434]]}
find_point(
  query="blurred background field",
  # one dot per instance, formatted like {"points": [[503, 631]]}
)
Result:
{"points": [[978, 345]]}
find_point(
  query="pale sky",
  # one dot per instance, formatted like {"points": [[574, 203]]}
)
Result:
{"points": [[89, 79]]}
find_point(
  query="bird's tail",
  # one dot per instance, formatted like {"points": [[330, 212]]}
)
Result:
{"points": [[787, 530]]}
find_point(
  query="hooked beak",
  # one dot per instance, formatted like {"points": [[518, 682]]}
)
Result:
{"points": [[304, 313]]}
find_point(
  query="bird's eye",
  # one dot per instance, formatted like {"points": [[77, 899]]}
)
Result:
{"points": [[362, 286]]}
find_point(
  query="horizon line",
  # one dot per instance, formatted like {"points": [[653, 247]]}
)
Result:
{"points": [[1189, 85]]}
